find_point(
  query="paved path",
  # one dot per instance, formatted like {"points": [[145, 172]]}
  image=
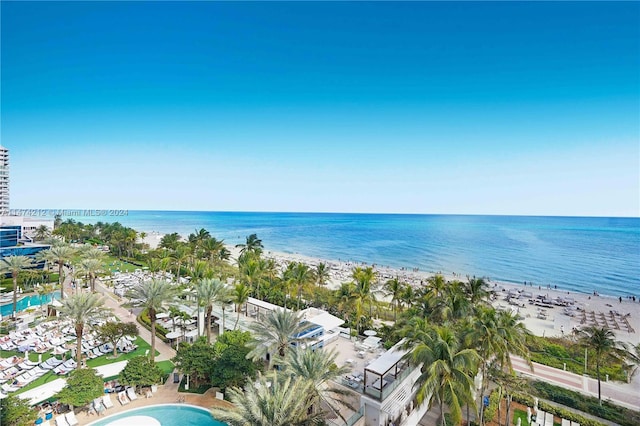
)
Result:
{"points": [[624, 394]]}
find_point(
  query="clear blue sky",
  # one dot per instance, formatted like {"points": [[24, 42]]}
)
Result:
{"points": [[480, 108]]}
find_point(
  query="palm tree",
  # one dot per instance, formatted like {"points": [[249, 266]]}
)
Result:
{"points": [[604, 347], [273, 400], [240, 297], [82, 308], [208, 292], [394, 288], [90, 267], [41, 233], [447, 371], [275, 333], [196, 239], [302, 276], [319, 367], [476, 291], [251, 274], [252, 245], [322, 274], [180, 255], [60, 254], [496, 335], [363, 292], [154, 296], [15, 265]]}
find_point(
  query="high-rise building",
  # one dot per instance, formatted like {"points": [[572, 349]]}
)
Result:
{"points": [[4, 181]]}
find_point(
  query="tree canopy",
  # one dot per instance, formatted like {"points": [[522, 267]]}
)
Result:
{"points": [[141, 371], [83, 386], [16, 412]]}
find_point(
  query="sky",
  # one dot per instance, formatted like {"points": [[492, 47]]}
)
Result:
{"points": [[421, 107]]}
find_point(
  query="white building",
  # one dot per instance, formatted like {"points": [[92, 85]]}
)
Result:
{"points": [[4, 181]]}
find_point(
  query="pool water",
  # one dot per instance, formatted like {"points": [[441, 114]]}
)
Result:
{"points": [[26, 302], [167, 415]]}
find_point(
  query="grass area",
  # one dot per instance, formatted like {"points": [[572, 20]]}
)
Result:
{"points": [[142, 348], [113, 264], [166, 367], [519, 414], [33, 356], [555, 352]]}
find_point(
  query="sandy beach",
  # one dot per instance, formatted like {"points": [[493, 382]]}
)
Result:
{"points": [[543, 319]]}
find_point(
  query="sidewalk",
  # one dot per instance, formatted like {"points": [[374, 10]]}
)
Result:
{"points": [[623, 394]]}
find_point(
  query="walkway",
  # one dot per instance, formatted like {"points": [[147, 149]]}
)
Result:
{"points": [[623, 394]]}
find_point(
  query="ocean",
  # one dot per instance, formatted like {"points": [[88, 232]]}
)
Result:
{"points": [[574, 253]]}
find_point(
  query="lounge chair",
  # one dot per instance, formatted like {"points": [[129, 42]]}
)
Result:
{"points": [[61, 421], [122, 397], [106, 400], [131, 393], [71, 418]]}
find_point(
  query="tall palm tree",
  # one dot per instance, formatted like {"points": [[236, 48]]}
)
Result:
{"points": [[322, 274], [496, 335], [82, 308], [447, 371], [394, 288], [275, 334], [180, 255], [302, 276], [154, 296], [363, 291], [208, 292], [319, 367], [60, 254], [251, 274], [15, 265], [604, 348], [273, 400], [253, 244], [90, 268], [240, 296]]}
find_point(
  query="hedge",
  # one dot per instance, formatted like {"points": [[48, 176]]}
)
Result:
{"points": [[556, 411], [588, 404], [161, 332]]}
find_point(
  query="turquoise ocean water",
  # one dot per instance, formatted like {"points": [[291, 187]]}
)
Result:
{"points": [[574, 253]]}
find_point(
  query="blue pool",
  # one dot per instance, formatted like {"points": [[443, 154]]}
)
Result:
{"points": [[28, 301], [166, 414]]}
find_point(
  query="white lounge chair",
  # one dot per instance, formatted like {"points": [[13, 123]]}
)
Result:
{"points": [[122, 397], [131, 393], [71, 418], [61, 421], [106, 400]]}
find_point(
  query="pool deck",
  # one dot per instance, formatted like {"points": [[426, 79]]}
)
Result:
{"points": [[166, 394]]}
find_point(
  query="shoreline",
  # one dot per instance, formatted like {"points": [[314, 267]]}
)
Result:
{"points": [[541, 321]]}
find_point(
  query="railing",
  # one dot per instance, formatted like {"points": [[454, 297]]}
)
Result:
{"points": [[389, 387], [350, 421]]}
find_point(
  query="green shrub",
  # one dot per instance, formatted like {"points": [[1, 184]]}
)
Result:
{"points": [[144, 320], [580, 402]]}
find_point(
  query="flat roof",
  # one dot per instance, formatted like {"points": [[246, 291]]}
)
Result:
{"points": [[326, 320], [262, 304], [386, 361]]}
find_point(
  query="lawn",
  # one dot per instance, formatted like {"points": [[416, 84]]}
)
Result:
{"points": [[142, 348], [519, 414], [113, 264]]}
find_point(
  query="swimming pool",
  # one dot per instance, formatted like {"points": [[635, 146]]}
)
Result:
{"points": [[26, 302], [166, 414]]}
